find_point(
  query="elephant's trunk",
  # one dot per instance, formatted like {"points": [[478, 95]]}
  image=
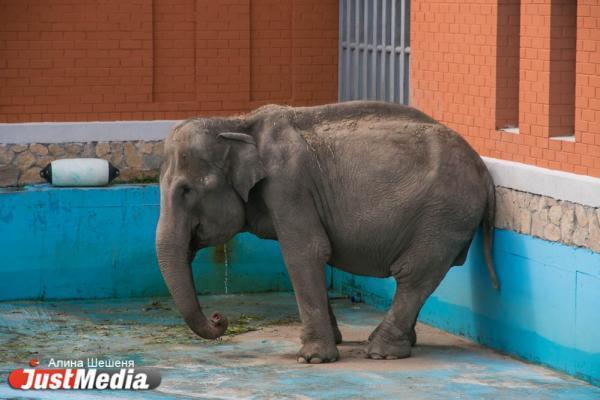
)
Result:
{"points": [[173, 258]]}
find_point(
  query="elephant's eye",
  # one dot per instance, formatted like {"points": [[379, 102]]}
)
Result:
{"points": [[186, 189]]}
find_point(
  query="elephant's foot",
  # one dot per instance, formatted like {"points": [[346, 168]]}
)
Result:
{"points": [[412, 336], [337, 334], [388, 351], [382, 348], [316, 352]]}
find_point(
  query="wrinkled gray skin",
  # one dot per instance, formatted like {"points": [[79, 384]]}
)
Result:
{"points": [[371, 188]]}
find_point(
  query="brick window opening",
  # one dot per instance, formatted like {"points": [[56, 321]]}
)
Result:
{"points": [[563, 35], [507, 65]]}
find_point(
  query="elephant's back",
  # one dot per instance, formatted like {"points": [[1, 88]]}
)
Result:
{"points": [[374, 148], [389, 138], [307, 117]]}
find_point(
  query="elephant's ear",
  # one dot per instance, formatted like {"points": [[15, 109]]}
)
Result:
{"points": [[244, 166]]}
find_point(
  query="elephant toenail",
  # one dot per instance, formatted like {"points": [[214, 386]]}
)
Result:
{"points": [[391, 357], [315, 360], [216, 317], [302, 360], [375, 356]]}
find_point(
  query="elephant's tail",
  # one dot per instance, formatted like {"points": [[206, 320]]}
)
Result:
{"points": [[488, 232]]}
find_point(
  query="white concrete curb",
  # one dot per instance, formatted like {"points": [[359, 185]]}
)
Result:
{"points": [[547, 182], [61, 132]]}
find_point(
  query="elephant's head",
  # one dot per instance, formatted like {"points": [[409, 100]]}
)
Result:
{"points": [[206, 177]]}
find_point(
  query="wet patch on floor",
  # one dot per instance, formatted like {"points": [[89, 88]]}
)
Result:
{"points": [[256, 359]]}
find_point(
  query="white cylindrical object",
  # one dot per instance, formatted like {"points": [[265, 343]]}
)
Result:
{"points": [[79, 172]]}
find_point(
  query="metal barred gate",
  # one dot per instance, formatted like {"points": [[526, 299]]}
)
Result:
{"points": [[374, 50]]}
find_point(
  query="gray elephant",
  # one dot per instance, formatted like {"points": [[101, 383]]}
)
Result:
{"points": [[371, 188]]}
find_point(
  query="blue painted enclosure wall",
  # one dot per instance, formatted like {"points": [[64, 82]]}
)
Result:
{"points": [[547, 311], [99, 243], [74, 243]]}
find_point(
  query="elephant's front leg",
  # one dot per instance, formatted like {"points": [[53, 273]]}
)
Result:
{"points": [[306, 249], [306, 267]]}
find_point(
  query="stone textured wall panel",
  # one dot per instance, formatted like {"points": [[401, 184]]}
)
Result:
{"points": [[547, 218], [138, 161]]}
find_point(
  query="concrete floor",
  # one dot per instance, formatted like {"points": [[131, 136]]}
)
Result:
{"points": [[258, 359]]}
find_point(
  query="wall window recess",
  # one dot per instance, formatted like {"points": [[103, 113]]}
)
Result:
{"points": [[563, 45], [507, 65]]}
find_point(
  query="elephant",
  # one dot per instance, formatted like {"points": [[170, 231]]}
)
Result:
{"points": [[370, 188]]}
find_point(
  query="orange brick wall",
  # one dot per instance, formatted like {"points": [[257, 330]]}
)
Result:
{"points": [[78, 60], [454, 70]]}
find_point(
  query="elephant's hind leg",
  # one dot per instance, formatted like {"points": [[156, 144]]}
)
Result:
{"points": [[395, 335], [334, 324]]}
